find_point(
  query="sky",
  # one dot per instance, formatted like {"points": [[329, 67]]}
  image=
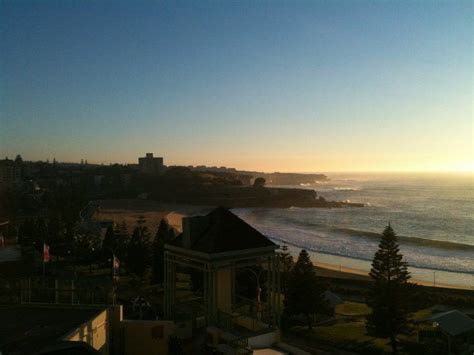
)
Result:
{"points": [[301, 86]]}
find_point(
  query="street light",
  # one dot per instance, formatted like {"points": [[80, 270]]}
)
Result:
{"points": [[259, 289]]}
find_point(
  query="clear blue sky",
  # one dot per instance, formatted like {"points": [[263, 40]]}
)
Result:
{"points": [[268, 85]]}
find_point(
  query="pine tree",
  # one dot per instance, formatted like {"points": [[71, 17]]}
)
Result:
{"points": [[56, 236], [123, 239], [163, 235], [286, 264], [86, 246], [389, 296], [305, 292], [40, 233], [26, 234], [109, 244], [138, 248]]}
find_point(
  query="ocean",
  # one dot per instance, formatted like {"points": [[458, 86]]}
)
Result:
{"points": [[433, 215]]}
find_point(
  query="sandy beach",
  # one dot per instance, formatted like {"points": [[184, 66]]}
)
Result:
{"points": [[129, 210], [341, 272]]}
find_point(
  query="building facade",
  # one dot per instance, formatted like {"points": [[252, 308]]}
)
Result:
{"points": [[217, 246], [10, 171], [150, 164]]}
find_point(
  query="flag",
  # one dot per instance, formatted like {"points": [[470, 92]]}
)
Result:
{"points": [[45, 253], [116, 263], [115, 267]]}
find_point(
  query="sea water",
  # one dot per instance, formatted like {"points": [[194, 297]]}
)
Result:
{"points": [[433, 215]]}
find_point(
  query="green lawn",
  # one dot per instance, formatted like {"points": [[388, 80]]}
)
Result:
{"points": [[349, 335], [349, 331], [352, 309], [423, 313]]}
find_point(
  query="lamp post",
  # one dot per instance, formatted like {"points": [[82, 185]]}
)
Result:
{"points": [[259, 289]]}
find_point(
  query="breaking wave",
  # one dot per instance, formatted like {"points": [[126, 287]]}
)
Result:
{"points": [[350, 232], [342, 188], [409, 240]]}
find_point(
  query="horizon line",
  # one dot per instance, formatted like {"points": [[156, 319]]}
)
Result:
{"points": [[401, 171]]}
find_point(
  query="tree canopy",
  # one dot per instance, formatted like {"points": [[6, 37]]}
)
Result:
{"points": [[259, 182], [305, 292], [138, 248], [286, 264], [389, 295], [164, 234]]}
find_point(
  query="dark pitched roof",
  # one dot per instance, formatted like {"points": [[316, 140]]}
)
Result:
{"points": [[453, 322], [225, 232]]}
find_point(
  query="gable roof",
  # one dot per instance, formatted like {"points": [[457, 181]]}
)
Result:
{"points": [[453, 322], [224, 232]]}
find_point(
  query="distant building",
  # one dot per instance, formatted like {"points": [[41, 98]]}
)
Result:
{"points": [[10, 171], [150, 164]]}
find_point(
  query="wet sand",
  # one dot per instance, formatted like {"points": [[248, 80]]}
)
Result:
{"points": [[341, 272]]}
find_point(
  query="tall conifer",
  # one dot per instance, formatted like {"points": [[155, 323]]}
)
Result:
{"points": [[305, 292], [389, 295], [286, 264], [138, 248], [163, 235]]}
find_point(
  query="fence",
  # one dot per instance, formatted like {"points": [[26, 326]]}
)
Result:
{"points": [[55, 291]]}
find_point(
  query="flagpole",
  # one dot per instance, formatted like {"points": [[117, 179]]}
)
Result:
{"points": [[115, 266], [45, 257], [113, 279], [44, 264], [43, 270]]}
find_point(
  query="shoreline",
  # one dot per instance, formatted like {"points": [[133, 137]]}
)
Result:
{"points": [[347, 273], [329, 265]]}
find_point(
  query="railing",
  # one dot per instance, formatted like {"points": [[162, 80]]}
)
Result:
{"points": [[260, 311], [226, 321], [241, 346], [241, 327], [54, 291]]}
